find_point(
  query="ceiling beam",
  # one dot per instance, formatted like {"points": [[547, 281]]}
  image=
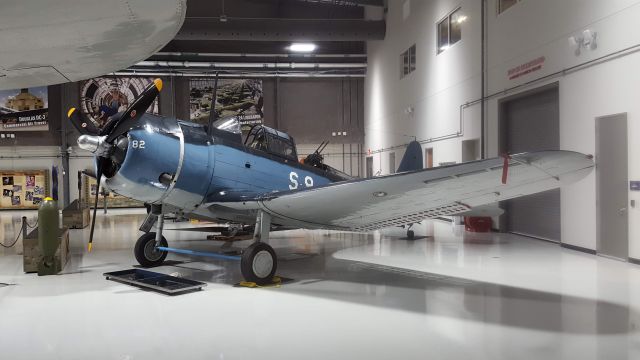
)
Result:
{"points": [[281, 29]]}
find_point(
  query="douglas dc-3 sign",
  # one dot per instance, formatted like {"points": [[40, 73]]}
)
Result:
{"points": [[208, 172]]}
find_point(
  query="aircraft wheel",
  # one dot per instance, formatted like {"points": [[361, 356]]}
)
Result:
{"points": [[145, 250], [411, 235], [259, 263]]}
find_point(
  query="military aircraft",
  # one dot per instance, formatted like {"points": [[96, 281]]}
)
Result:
{"points": [[209, 172]]}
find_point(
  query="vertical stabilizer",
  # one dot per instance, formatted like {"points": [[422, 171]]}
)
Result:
{"points": [[412, 159]]}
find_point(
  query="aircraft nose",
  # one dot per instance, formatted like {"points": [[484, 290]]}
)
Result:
{"points": [[89, 142]]}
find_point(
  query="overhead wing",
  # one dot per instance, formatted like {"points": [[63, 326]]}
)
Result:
{"points": [[404, 198], [52, 42]]}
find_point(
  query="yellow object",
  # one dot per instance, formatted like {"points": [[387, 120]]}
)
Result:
{"points": [[71, 112], [90, 246], [275, 282], [158, 83], [48, 198]]}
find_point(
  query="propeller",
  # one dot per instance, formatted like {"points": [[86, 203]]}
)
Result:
{"points": [[101, 142]]}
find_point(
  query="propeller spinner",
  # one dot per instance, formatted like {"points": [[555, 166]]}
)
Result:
{"points": [[103, 144]]}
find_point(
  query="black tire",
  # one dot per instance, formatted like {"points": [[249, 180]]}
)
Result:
{"points": [[259, 263], [150, 257], [411, 235]]}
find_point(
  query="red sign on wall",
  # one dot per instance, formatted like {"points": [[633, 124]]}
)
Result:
{"points": [[525, 69]]}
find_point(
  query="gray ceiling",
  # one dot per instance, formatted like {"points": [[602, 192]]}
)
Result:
{"points": [[250, 37]]}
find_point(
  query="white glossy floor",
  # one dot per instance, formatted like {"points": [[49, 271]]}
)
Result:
{"points": [[450, 296]]}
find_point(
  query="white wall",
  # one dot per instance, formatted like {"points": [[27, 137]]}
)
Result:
{"points": [[541, 28], [528, 30], [436, 89]]}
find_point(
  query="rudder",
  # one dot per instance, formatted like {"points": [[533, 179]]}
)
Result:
{"points": [[412, 159]]}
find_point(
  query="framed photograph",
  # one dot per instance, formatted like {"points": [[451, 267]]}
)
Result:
{"points": [[30, 181], [7, 180]]}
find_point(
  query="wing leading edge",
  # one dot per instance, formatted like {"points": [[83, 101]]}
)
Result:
{"points": [[370, 204]]}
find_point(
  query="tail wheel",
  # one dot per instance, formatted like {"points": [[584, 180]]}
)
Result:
{"points": [[145, 250], [259, 263], [411, 235]]}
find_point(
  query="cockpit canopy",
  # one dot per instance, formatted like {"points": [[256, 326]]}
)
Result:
{"points": [[271, 141], [259, 137], [229, 124]]}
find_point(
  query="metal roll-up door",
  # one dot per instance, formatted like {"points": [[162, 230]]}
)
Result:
{"points": [[531, 123]]}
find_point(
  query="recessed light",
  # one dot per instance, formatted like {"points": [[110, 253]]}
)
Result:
{"points": [[379, 194], [302, 47]]}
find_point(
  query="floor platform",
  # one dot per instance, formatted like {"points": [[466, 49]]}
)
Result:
{"points": [[453, 295], [162, 283]]}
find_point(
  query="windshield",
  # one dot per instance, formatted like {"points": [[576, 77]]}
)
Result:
{"points": [[230, 124]]}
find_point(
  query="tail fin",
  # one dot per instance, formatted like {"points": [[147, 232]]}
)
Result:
{"points": [[412, 159]]}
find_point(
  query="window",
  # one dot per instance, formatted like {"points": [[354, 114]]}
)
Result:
{"points": [[271, 141], [408, 61], [450, 30], [503, 5]]}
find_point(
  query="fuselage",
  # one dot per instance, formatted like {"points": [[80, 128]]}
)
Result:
{"points": [[176, 163]]}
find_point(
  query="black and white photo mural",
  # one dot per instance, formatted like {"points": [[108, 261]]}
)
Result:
{"points": [[235, 97], [103, 97]]}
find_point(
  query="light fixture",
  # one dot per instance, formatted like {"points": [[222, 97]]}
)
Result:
{"points": [[379, 194], [302, 47], [588, 40]]}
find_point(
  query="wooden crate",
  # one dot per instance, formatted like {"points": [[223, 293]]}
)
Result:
{"points": [[76, 216], [32, 254]]}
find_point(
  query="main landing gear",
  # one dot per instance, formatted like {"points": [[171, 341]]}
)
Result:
{"points": [[258, 262]]}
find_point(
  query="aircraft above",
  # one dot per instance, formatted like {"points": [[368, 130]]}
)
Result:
{"points": [[45, 43], [214, 172]]}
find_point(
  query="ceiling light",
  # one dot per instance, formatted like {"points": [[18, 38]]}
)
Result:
{"points": [[302, 47], [462, 18]]}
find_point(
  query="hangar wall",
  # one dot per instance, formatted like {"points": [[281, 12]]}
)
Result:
{"points": [[595, 83], [426, 103]]}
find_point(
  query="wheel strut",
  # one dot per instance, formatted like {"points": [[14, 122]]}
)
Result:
{"points": [[259, 261]]}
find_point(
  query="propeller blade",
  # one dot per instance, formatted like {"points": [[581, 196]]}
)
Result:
{"points": [[100, 162], [84, 127], [135, 110], [111, 123]]}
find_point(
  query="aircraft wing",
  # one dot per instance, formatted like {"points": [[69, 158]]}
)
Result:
{"points": [[370, 204], [52, 42]]}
